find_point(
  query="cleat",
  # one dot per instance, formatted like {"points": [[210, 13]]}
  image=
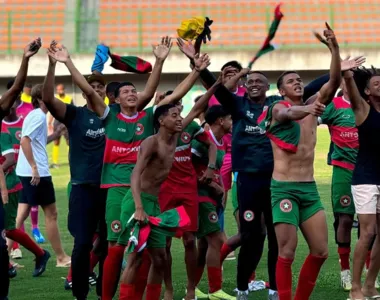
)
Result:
{"points": [[38, 237], [231, 256], [221, 295], [345, 280], [199, 294], [41, 263], [68, 284], [273, 296], [12, 272], [16, 254], [92, 279], [242, 295]]}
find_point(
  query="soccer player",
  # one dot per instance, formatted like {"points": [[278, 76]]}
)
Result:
{"points": [[362, 87], [87, 201], [33, 170], [125, 129], [292, 126], [154, 162], [344, 135], [6, 102], [53, 124], [210, 197], [10, 144], [180, 188]]}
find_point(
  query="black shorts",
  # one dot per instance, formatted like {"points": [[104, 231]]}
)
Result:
{"points": [[43, 194]]}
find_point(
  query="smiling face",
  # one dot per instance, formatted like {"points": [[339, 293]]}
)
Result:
{"points": [[292, 86], [127, 96], [373, 88], [257, 86], [172, 120]]}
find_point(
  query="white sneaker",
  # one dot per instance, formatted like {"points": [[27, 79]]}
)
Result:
{"points": [[273, 295], [16, 254], [345, 280]]}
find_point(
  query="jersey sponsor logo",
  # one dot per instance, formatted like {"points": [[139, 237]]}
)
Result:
{"points": [[248, 215], [185, 137], [18, 135], [345, 201], [213, 217], [254, 130], [349, 134], [122, 129], [125, 150], [95, 133], [182, 158], [346, 117], [250, 114], [139, 129], [116, 226], [286, 205]]}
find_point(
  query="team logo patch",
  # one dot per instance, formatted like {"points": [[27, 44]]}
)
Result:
{"points": [[139, 128], [345, 201], [185, 137], [286, 205], [116, 226], [213, 217], [18, 135], [249, 215]]}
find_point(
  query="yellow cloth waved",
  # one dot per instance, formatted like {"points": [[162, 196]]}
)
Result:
{"points": [[192, 28]]}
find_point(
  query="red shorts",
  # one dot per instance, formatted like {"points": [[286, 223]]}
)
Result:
{"points": [[187, 200], [226, 172]]}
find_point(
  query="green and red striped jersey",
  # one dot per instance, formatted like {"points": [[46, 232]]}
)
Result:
{"points": [[124, 136], [182, 177], [10, 143], [285, 135], [200, 161], [340, 119]]}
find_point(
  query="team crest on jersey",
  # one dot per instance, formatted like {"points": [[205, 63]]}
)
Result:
{"points": [[213, 217], [139, 128], [248, 215], [116, 226], [185, 137], [18, 135], [345, 201], [286, 205]]}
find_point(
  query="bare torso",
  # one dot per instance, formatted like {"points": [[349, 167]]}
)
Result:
{"points": [[297, 166], [159, 165]]}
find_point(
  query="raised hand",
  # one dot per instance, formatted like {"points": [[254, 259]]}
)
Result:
{"points": [[32, 48], [186, 48], [161, 51], [52, 46], [330, 37], [59, 54], [316, 108], [351, 64], [201, 62]]}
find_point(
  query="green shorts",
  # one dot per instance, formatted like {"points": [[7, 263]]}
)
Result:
{"points": [[341, 196], [115, 197], [10, 210], [294, 202], [235, 203], [207, 219], [151, 207]]}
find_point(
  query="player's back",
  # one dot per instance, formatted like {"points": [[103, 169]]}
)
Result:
{"points": [[158, 167]]}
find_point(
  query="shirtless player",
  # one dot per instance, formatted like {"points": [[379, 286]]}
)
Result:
{"points": [[291, 126]]}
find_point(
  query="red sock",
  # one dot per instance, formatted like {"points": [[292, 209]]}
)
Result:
{"points": [[253, 277], [127, 292], [308, 276], [70, 275], [111, 271], [142, 275], [94, 259], [25, 240], [214, 275], [224, 251], [153, 291], [198, 274], [368, 259], [284, 278], [344, 256]]}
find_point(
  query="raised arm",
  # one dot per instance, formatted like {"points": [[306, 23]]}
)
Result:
{"points": [[10, 96], [358, 104], [328, 90], [145, 154], [283, 114], [56, 107], [201, 63], [62, 55], [161, 52], [200, 105]]}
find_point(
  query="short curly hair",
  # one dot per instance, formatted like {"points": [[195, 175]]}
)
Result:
{"points": [[36, 95], [362, 77]]}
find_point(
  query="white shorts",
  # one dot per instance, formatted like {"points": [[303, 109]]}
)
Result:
{"points": [[366, 198]]}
